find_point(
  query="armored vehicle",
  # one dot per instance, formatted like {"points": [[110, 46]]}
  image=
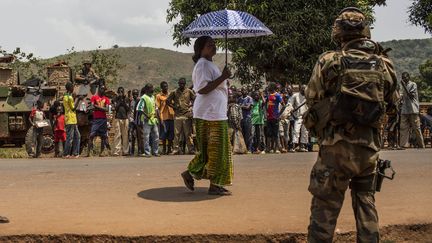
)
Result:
{"points": [[16, 102]]}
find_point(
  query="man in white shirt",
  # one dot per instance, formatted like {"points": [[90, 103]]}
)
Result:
{"points": [[300, 133]]}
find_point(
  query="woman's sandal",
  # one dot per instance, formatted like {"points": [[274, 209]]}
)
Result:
{"points": [[218, 191], [188, 180]]}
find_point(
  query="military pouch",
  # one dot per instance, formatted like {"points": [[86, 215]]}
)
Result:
{"points": [[321, 180], [317, 117]]}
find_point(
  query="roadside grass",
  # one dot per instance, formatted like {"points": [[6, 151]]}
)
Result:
{"points": [[13, 153]]}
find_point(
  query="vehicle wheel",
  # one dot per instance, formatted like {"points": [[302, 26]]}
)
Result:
{"points": [[48, 145], [29, 143]]}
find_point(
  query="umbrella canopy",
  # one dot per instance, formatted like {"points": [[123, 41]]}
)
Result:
{"points": [[226, 24]]}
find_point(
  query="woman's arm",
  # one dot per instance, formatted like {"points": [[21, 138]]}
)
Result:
{"points": [[215, 83]]}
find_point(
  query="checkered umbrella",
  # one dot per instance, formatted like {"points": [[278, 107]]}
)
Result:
{"points": [[226, 24]]}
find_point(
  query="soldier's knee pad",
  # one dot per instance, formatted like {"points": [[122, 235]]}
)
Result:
{"points": [[363, 184]]}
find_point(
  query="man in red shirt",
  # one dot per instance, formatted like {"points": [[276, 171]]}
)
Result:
{"points": [[99, 123]]}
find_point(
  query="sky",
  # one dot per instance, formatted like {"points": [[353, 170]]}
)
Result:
{"points": [[49, 27]]}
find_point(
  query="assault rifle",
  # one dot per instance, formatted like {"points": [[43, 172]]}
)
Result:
{"points": [[410, 96], [296, 109], [382, 166]]}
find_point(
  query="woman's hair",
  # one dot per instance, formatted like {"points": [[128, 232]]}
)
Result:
{"points": [[198, 46]]}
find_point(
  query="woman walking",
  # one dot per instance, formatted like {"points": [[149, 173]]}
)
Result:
{"points": [[213, 158]]}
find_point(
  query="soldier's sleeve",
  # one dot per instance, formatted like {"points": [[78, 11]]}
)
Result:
{"points": [[94, 74], [315, 89], [391, 96]]}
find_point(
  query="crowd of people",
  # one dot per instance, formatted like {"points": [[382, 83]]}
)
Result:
{"points": [[147, 124], [261, 120]]}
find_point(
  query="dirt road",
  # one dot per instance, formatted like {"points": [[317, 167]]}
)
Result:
{"points": [[138, 196]]}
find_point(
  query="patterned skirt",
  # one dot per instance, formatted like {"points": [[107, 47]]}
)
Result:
{"points": [[212, 160]]}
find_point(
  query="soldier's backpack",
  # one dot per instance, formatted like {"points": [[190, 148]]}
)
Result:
{"points": [[360, 89]]}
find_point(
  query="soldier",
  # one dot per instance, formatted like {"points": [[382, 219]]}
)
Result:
{"points": [[87, 75], [347, 127]]}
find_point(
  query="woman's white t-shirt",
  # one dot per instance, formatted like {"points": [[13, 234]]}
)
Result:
{"points": [[214, 105]]}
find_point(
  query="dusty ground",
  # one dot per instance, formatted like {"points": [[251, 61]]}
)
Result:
{"points": [[142, 197]]}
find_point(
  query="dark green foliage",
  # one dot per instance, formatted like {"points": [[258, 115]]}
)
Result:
{"points": [[106, 64], [407, 55], [302, 32], [421, 14], [28, 65], [424, 82]]}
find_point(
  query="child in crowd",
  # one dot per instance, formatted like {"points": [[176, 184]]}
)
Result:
{"points": [[36, 119], [234, 123], [59, 132], [284, 124], [258, 121]]}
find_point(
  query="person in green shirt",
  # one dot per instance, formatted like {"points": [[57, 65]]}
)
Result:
{"points": [[258, 120], [149, 119]]}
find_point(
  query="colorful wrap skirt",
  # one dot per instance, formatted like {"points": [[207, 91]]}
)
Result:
{"points": [[213, 159]]}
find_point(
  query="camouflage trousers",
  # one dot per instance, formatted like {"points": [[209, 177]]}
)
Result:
{"points": [[338, 167]]}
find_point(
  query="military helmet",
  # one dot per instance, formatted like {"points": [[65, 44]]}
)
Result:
{"points": [[350, 24]]}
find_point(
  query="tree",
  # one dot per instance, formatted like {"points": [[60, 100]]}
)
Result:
{"points": [[424, 82], [27, 64], [106, 64], [421, 14], [302, 31]]}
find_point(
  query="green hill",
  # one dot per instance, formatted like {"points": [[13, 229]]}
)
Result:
{"points": [[145, 64], [407, 55]]}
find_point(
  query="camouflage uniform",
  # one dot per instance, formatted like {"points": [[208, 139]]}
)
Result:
{"points": [[90, 75], [347, 158]]}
